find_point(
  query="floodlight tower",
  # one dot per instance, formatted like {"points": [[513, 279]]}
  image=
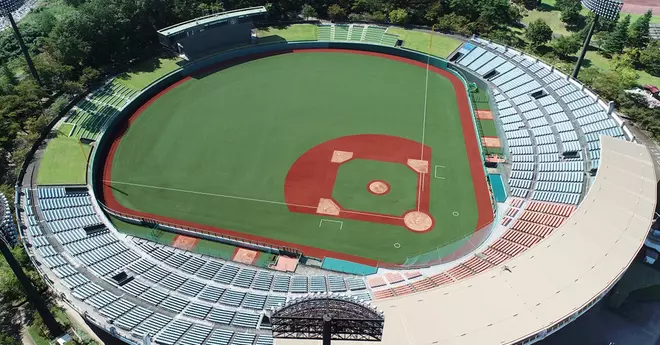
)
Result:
{"points": [[605, 8], [6, 8]]}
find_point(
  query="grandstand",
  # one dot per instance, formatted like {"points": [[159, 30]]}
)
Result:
{"points": [[562, 241], [356, 33], [91, 115]]}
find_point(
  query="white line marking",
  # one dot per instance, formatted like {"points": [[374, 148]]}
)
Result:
{"points": [[239, 198], [341, 224], [426, 96], [435, 171], [206, 194]]}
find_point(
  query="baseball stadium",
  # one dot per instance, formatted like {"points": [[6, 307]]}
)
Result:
{"points": [[483, 197]]}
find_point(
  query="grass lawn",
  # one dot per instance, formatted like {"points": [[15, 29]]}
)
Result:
{"points": [[142, 74], [441, 46], [215, 249], [602, 62], [34, 333], [227, 171], [488, 128], [159, 236], [552, 18], [296, 32], [65, 160]]}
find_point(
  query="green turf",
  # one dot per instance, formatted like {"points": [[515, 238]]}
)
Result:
{"points": [[215, 249], [488, 128], [264, 260], [157, 236], [493, 150], [64, 161], [440, 45], [142, 74], [217, 152], [298, 32], [354, 176]]}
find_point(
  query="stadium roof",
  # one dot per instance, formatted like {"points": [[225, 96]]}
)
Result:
{"points": [[211, 19], [547, 283]]}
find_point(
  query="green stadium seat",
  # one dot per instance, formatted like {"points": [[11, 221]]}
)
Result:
{"points": [[356, 33], [324, 32], [341, 33], [389, 40]]}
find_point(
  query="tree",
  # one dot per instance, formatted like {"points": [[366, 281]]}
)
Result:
{"points": [[639, 31], [538, 33], [7, 340], [336, 12], [89, 76], [308, 11], [9, 76], [609, 83], [528, 4], [565, 46], [570, 14], [399, 16], [649, 58], [617, 39]]}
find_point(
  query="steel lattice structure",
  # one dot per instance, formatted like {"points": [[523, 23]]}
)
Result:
{"points": [[605, 8], [328, 316], [8, 6]]}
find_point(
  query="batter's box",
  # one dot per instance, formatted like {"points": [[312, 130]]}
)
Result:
{"points": [[330, 221], [438, 172]]}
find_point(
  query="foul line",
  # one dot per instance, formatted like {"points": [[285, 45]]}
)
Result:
{"points": [[206, 194], [426, 96], [240, 198]]}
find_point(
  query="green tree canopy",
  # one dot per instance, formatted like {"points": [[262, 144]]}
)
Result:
{"points": [[308, 11], [336, 12], [399, 16], [617, 39], [570, 13], [649, 58], [538, 33], [565, 46], [639, 31]]}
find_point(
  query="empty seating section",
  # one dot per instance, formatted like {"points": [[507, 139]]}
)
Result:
{"points": [[545, 119], [168, 283], [91, 115], [535, 221], [356, 33]]}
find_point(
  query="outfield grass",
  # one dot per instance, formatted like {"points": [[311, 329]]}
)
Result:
{"points": [[441, 45], [296, 32], [64, 161], [208, 153], [142, 74]]}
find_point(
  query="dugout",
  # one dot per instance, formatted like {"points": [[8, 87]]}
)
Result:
{"points": [[200, 36]]}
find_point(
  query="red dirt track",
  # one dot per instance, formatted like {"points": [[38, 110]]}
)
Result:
{"points": [[485, 213], [641, 6]]}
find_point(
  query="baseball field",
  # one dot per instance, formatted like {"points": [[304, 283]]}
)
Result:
{"points": [[353, 155]]}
